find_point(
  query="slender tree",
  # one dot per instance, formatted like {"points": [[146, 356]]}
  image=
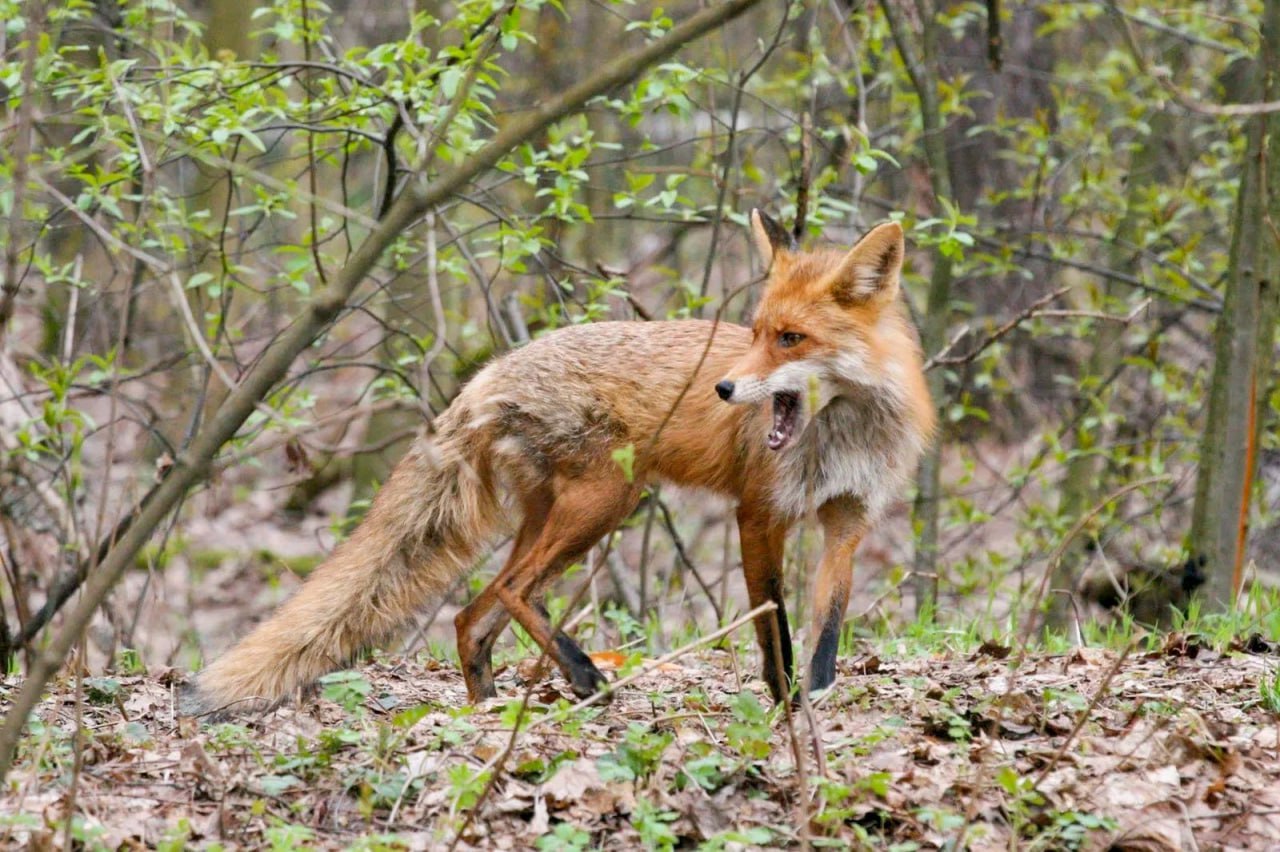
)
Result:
{"points": [[1243, 343], [919, 56]]}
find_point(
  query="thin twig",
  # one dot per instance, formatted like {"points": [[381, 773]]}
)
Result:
{"points": [[402, 119], [646, 538], [1032, 312], [797, 753], [499, 759], [731, 151], [618, 571], [654, 665], [1099, 315], [995, 43], [170, 273], [437, 307], [10, 278], [815, 735], [683, 556], [1084, 715], [494, 766], [1027, 313], [304, 79], [806, 176], [1055, 557]]}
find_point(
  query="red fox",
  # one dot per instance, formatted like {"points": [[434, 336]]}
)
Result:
{"points": [[821, 405]]}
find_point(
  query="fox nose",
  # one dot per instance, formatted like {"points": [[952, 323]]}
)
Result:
{"points": [[725, 389]]}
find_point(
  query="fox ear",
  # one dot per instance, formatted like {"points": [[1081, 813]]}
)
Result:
{"points": [[870, 270], [770, 237]]}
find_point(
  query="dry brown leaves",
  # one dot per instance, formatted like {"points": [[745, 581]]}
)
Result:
{"points": [[1167, 750]]}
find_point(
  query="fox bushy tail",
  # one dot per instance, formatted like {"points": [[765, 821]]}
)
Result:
{"points": [[424, 529]]}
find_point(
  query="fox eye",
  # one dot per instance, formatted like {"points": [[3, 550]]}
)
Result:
{"points": [[789, 338]]}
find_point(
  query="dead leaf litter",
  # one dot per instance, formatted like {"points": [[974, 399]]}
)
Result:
{"points": [[1171, 749]]}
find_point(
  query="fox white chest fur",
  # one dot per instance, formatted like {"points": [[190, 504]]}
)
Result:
{"points": [[861, 444]]}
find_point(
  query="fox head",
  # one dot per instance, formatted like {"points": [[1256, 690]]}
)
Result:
{"points": [[827, 323]]}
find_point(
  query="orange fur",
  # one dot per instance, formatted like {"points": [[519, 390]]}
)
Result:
{"points": [[541, 425]]}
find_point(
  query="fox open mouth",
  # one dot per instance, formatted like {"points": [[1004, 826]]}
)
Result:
{"points": [[786, 404]]}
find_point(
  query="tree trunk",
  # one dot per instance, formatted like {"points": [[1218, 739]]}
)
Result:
{"points": [[921, 66], [1243, 339]]}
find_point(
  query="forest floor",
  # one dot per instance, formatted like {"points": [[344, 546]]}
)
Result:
{"points": [[1172, 746]]}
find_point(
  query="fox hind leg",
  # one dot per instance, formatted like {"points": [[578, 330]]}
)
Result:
{"points": [[584, 511], [480, 623]]}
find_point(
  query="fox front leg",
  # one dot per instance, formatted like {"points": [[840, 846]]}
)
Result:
{"points": [[843, 526], [762, 540]]}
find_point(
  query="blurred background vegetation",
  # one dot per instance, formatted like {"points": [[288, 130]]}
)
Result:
{"points": [[1089, 190]]}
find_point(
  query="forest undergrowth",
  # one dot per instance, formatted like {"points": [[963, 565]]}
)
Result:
{"points": [[929, 739]]}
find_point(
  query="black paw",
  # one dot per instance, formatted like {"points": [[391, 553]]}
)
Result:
{"points": [[820, 682], [586, 682], [584, 678]]}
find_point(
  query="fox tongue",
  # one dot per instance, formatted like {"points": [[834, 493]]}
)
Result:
{"points": [[784, 420]]}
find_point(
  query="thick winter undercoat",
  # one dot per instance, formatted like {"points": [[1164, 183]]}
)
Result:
{"points": [[820, 406]]}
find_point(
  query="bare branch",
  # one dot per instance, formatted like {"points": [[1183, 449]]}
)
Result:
{"points": [[995, 43], [991, 339], [806, 176], [1033, 311], [1161, 76]]}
